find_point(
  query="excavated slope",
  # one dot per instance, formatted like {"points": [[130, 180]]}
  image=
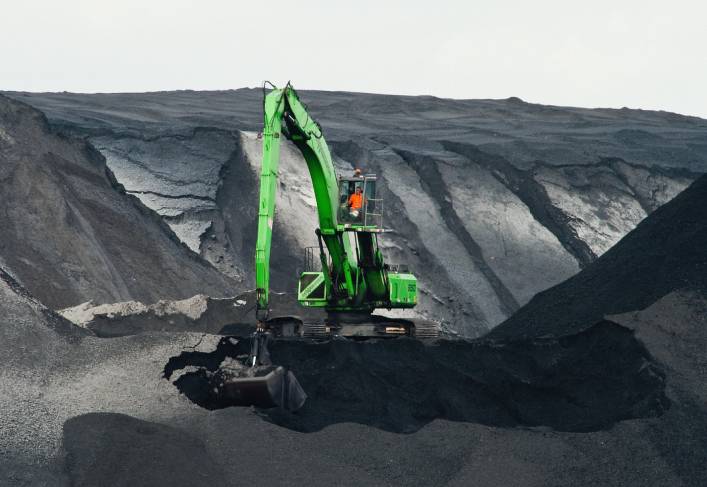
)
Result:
{"points": [[619, 402], [665, 253], [401, 385], [71, 234], [492, 201]]}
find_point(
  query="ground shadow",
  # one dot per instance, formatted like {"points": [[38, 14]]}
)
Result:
{"points": [[583, 382]]}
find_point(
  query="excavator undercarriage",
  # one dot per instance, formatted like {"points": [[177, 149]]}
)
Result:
{"points": [[352, 326]]}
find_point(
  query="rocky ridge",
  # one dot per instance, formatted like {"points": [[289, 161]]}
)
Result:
{"points": [[497, 199], [70, 233]]}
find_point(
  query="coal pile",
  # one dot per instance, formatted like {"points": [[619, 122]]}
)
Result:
{"points": [[583, 382], [569, 393], [665, 253], [71, 234], [492, 201], [106, 449]]}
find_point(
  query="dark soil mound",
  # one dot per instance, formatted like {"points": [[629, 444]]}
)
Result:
{"points": [[106, 449], [665, 253], [583, 382], [69, 232], [31, 335]]}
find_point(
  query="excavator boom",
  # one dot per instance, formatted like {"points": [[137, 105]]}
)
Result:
{"points": [[282, 108]]}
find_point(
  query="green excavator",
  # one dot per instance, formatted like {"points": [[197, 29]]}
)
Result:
{"points": [[345, 274]]}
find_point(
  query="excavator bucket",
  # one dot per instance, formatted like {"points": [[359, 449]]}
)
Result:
{"points": [[264, 387], [258, 382]]}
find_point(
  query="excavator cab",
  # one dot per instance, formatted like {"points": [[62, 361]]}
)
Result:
{"points": [[358, 205]]}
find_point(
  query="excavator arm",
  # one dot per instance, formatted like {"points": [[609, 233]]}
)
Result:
{"points": [[285, 114], [353, 273]]}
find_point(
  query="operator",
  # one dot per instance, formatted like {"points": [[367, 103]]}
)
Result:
{"points": [[355, 203]]}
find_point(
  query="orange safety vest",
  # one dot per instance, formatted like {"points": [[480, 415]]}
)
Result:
{"points": [[356, 201]]}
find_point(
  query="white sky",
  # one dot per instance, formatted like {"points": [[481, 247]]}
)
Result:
{"points": [[640, 54]]}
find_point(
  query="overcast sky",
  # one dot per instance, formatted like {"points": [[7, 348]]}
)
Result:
{"points": [[640, 54]]}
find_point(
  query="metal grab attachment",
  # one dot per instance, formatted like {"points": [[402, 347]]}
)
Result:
{"points": [[262, 384], [268, 387]]}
